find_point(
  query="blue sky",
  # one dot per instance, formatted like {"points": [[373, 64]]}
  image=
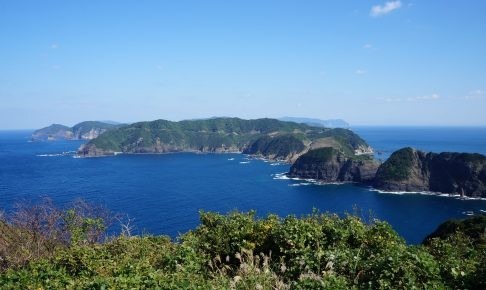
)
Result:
{"points": [[368, 62]]}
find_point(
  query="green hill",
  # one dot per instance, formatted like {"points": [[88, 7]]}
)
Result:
{"points": [[267, 137]]}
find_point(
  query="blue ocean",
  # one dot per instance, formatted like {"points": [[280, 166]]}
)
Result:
{"points": [[164, 193]]}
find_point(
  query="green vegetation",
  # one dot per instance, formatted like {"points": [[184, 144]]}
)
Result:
{"points": [[473, 228], [240, 251], [279, 147], [259, 136], [398, 166]]}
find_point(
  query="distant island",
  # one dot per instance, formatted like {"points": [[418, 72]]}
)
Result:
{"points": [[268, 138], [330, 123], [82, 131]]}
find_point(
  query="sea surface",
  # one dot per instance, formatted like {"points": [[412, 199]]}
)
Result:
{"points": [[162, 194]]}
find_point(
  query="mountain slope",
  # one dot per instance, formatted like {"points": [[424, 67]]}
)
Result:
{"points": [[267, 137]]}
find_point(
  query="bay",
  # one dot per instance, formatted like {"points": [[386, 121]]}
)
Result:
{"points": [[163, 193]]}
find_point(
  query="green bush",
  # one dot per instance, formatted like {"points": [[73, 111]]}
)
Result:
{"points": [[242, 251]]}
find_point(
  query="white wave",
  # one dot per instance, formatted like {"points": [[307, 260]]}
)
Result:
{"points": [[301, 184], [50, 155], [231, 159], [244, 162], [469, 212], [65, 153], [282, 176], [441, 194]]}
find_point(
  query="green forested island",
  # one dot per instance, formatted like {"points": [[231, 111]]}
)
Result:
{"points": [[269, 138], [45, 248]]}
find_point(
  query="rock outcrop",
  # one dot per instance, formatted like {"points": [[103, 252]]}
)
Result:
{"points": [[455, 173], [330, 165]]}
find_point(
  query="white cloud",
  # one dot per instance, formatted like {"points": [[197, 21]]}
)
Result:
{"points": [[427, 97], [380, 10], [360, 72], [474, 95], [432, 97], [54, 46], [367, 46]]}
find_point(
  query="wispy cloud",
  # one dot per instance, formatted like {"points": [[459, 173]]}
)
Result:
{"points": [[360, 72], [426, 97], [474, 95], [367, 46], [380, 10], [54, 46], [432, 97]]}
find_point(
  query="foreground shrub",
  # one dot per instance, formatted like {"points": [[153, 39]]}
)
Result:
{"points": [[35, 231], [241, 251]]}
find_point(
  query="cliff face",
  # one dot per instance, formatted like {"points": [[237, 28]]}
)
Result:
{"points": [[329, 165], [88, 135], [455, 173]]}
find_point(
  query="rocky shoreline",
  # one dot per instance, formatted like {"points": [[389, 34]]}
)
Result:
{"points": [[407, 170]]}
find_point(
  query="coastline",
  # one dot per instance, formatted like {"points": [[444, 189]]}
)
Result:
{"points": [[283, 176]]}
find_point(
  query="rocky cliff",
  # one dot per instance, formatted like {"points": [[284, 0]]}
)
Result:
{"points": [[411, 170], [330, 165]]}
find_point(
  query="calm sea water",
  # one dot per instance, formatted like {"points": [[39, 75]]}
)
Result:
{"points": [[163, 193]]}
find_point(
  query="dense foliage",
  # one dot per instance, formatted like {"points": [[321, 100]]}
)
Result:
{"points": [[398, 166], [240, 251], [474, 228], [278, 147]]}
